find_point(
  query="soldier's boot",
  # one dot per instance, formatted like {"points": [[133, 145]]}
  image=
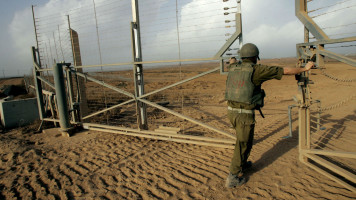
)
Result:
{"points": [[246, 166], [234, 181]]}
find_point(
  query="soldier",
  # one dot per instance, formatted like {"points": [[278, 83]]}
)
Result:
{"points": [[244, 95]]}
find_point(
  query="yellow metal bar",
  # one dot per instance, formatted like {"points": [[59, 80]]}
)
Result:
{"points": [[330, 41], [187, 118], [350, 176], [302, 15], [107, 109], [331, 153], [307, 128], [165, 138], [335, 178], [51, 120], [338, 57], [146, 62], [123, 129]]}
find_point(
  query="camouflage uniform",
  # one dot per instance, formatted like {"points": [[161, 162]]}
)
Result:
{"points": [[244, 123]]}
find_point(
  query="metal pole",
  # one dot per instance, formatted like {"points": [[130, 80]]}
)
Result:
{"points": [[179, 53], [302, 15], [77, 60], [70, 92], [304, 106], [47, 56], [71, 39], [138, 69], [38, 85], [61, 97], [55, 46], [319, 111], [50, 51], [290, 121], [36, 35], [308, 142], [238, 19], [60, 43], [306, 31], [97, 35]]}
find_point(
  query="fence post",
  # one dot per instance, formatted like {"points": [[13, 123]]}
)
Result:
{"points": [[71, 95], [61, 97], [38, 85], [77, 59], [138, 69]]}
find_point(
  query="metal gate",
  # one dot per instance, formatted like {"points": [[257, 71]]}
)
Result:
{"points": [[316, 147], [125, 97]]}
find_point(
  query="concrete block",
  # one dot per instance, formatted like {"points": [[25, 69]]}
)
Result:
{"points": [[20, 112]]}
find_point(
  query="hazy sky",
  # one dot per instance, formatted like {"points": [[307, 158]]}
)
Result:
{"points": [[271, 25]]}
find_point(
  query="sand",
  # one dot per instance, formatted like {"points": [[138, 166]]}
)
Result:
{"points": [[97, 165]]}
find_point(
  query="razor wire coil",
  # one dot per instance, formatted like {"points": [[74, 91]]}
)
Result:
{"points": [[323, 72], [337, 105]]}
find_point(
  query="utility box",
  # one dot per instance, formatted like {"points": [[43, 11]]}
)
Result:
{"points": [[17, 113]]}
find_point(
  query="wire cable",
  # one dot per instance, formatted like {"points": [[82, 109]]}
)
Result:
{"points": [[333, 11], [328, 6]]}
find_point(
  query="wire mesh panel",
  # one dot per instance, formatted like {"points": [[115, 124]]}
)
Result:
{"points": [[100, 97], [186, 98]]}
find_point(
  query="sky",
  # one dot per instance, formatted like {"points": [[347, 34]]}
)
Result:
{"points": [[271, 25], [10, 62]]}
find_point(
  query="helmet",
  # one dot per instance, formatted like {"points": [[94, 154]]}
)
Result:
{"points": [[249, 50]]}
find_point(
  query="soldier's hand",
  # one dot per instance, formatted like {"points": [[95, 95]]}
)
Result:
{"points": [[309, 65]]}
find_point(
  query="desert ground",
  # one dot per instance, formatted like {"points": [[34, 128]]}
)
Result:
{"points": [[98, 165]]}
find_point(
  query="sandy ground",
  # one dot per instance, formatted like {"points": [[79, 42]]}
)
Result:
{"points": [[95, 165]]}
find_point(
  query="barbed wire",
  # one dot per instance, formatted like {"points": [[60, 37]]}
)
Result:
{"points": [[337, 34], [83, 8], [82, 19], [328, 6], [337, 105], [351, 45], [323, 72], [333, 11], [173, 10], [344, 25]]}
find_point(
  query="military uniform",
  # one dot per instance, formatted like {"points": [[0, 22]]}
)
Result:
{"points": [[242, 116]]}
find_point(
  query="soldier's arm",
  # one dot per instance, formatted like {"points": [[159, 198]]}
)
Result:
{"points": [[293, 71]]}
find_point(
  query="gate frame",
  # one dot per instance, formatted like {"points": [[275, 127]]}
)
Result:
{"points": [[139, 96], [305, 52]]}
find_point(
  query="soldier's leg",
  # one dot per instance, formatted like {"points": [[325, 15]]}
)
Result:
{"points": [[236, 162], [245, 154], [236, 158], [242, 125]]}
